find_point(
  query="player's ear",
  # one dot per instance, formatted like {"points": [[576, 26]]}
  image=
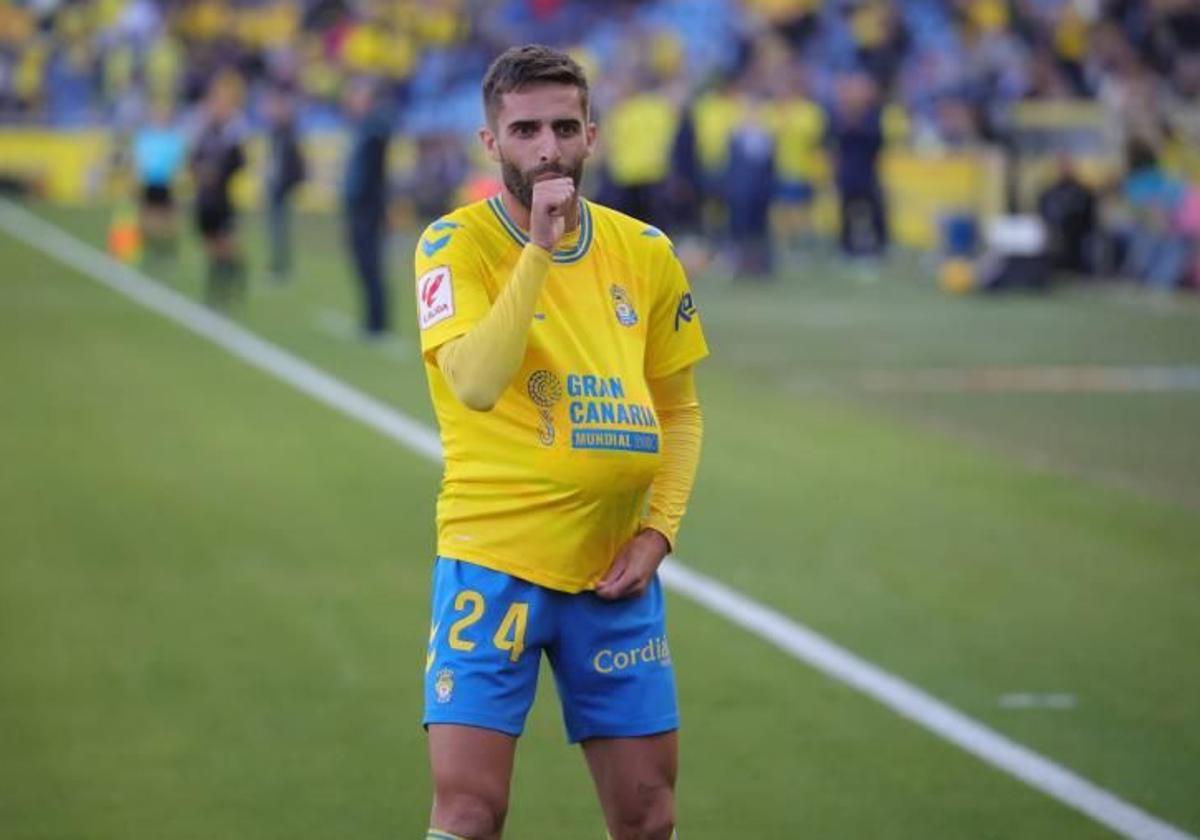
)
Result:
{"points": [[488, 138], [591, 132]]}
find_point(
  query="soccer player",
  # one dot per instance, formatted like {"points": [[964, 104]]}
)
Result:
{"points": [[559, 339]]}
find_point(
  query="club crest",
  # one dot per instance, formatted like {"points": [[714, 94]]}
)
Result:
{"points": [[623, 306], [443, 687]]}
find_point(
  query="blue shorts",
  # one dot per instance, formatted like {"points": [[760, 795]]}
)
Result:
{"points": [[610, 658]]}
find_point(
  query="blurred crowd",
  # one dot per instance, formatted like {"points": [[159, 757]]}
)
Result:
{"points": [[713, 112]]}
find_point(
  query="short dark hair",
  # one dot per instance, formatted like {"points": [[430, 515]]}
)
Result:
{"points": [[533, 64]]}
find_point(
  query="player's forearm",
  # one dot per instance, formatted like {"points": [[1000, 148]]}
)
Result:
{"points": [[682, 425], [480, 365]]}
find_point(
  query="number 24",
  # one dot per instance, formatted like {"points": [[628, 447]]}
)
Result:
{"points": [[511, 634]]}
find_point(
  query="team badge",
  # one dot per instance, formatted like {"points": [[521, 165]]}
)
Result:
{"points": [[623, 306], [435, 296], [545, 390], [444, 686]]}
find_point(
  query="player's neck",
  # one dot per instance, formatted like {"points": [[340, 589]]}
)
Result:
{"points": [[519, 213]]}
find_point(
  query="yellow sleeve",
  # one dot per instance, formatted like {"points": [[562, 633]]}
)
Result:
{"points": [[674, 339], [452, 295], [478, 366], [682, 424]]}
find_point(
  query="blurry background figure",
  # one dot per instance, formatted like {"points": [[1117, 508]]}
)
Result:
{"points": [[285, 170], [750, 180], [216, 157], [856, 132], [159, 149], [684, 191], [639, 135], [442, 165], [715, 114], [799, 125], [365, 195], [1068, 209], [1157, 251]]}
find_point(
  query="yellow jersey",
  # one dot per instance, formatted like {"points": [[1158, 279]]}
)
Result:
{"points": [[799, 128], [549, 484]]}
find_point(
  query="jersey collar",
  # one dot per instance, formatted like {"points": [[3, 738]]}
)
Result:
{"points": [[569, 255]]}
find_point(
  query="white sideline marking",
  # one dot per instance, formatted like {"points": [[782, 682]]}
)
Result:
{"points": [[237, 340], [789, 636]]}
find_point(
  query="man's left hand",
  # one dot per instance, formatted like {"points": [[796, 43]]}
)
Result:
{"points": [[634, 566]]}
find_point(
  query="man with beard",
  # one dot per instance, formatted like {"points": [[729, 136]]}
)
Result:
{"points": [[559, 338]]}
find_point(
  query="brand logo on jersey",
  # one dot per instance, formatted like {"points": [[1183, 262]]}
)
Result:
{"points": [[686, 310], [431, 246], [443, 687], [545, 389], [435, 296], [623, 306]]}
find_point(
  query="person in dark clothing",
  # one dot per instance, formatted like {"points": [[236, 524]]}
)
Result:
{"points": [[750, 181], [364, 196], [1069, 210], [684, 196], [285, 172], [216, 157], [856, 132]]}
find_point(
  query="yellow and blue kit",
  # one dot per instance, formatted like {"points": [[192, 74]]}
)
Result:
{"points": [[542, 490], [550, 482]]}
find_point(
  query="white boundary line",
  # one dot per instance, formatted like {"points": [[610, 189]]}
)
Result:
{"points": [[793, 638]]}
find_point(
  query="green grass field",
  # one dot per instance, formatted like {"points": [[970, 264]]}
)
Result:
{"points": [[213, 590]]}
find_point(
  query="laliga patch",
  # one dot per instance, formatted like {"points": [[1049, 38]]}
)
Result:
{"points": [[435, 297]]}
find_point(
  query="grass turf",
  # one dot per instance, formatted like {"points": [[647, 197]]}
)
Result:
{"points": [[213, 593]]}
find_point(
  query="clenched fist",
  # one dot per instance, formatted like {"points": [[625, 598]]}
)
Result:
{"points": [[552, 201]]}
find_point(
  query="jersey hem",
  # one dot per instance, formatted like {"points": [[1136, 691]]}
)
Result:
{"points": [[572, 586]]}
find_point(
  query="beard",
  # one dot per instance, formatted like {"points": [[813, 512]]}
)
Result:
{"points": [[520, 184]]}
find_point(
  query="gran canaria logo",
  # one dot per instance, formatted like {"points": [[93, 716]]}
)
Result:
{"points": [[545, 390], [623, 306]]}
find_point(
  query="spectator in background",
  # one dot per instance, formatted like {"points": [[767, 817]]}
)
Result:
{"points": [[442, 166], [750, 181], [715, 114], [1158, 249], [1068, 209], [856, 132], [799, 126], [159, 149], [684, 190], [365, 196], [640, 131], [216, 157], [285, 169]]}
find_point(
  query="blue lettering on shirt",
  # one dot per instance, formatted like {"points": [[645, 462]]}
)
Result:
{"points": [[614, 440]]}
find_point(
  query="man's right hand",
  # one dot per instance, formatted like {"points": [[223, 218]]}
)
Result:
{"points": [[552, 199]]}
